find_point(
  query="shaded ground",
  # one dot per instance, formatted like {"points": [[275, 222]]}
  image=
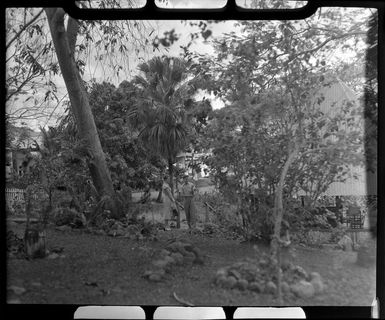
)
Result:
{"points": [[99, 269]]}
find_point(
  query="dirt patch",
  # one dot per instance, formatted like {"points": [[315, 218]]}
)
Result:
{"points": [[97, 269]]}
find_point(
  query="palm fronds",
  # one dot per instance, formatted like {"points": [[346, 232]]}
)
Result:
{"points": [[164, 85]]}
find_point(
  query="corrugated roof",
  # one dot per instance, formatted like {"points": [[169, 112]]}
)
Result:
{"points": [[335, 95], [24, 137]]}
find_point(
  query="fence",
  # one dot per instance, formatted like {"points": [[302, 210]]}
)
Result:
{"points": [[16, 197], [14, 194]]}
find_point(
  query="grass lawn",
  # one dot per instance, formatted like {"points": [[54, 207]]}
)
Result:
{"points": [[97, 269]]}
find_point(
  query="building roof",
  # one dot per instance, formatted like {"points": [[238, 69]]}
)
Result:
{"points": [[23, 137], [334, 96]]}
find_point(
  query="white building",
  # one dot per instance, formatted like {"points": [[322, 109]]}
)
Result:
{"points": [[185, 159]]}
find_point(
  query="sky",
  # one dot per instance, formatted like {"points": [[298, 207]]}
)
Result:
{"points": [[94, 68], [98, 71]]}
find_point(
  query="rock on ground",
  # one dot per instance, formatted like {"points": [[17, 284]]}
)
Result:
{"points": [[271, 287], [242, 284], [346, 243], [155, 277], [177, 257], [17, 290], [366, 255], [285, 287], [229, 282], [300, 272], [303, 289], [318, 285], [256, 287]]}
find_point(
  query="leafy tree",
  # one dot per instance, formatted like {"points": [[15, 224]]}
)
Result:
{"points": [[129, 161], [278, 67], [62, 42], [371, 95], [29, 70], [62, 165], [249, 61], [165, 91], [271, 149]]}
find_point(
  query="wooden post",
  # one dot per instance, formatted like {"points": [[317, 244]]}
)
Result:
{"points": [[178, 218], [34, 237], [279, 276], [206, 213]]}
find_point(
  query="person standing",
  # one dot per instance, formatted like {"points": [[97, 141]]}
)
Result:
{"points": [[146, 196], [168, 203], [187, 192]]}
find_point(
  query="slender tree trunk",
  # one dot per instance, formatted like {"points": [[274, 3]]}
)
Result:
{"points": [[171, 175], [64, 40], [278, 212], [50, 197], [159, 198]]}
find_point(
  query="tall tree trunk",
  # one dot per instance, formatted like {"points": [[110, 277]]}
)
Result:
{"points": [[64, 40], [160, 194], [171, 175], [278, 214]]}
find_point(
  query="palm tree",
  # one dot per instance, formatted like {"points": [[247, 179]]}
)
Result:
{"points": [[160, 111]]}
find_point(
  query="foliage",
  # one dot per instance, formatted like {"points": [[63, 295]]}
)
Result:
{"points": [[72, 66], [162, 110], [222, 218], [337, 234], [32, 67], [249, 62], [253, 173], [15, 245], [371, 95], [130, 162], [222, 208], [273, 86], [16, 208], [57, 166], [310, 219], [66, 216]]}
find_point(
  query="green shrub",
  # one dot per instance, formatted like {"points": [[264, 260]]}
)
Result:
{"points": [[66, 216], [337, 234]]}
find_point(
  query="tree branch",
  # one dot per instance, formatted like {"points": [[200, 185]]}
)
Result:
{"points": [[321, 45], [183, 302], [332, 147], [24, 27], [30, 76]]}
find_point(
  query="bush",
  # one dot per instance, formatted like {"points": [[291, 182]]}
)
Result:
{"points": [[66, 216], [223, 212], [319, 218], [17, 208], [258, 223], [337, 234], [252, 222]]}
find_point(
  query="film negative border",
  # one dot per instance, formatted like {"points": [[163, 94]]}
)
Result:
{"points": [[231, 11]]}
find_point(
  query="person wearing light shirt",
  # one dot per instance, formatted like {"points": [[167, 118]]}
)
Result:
{"points": [[187, 192]]}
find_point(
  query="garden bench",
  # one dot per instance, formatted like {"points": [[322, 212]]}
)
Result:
{"points": [[355, 224], [355, 221]]}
